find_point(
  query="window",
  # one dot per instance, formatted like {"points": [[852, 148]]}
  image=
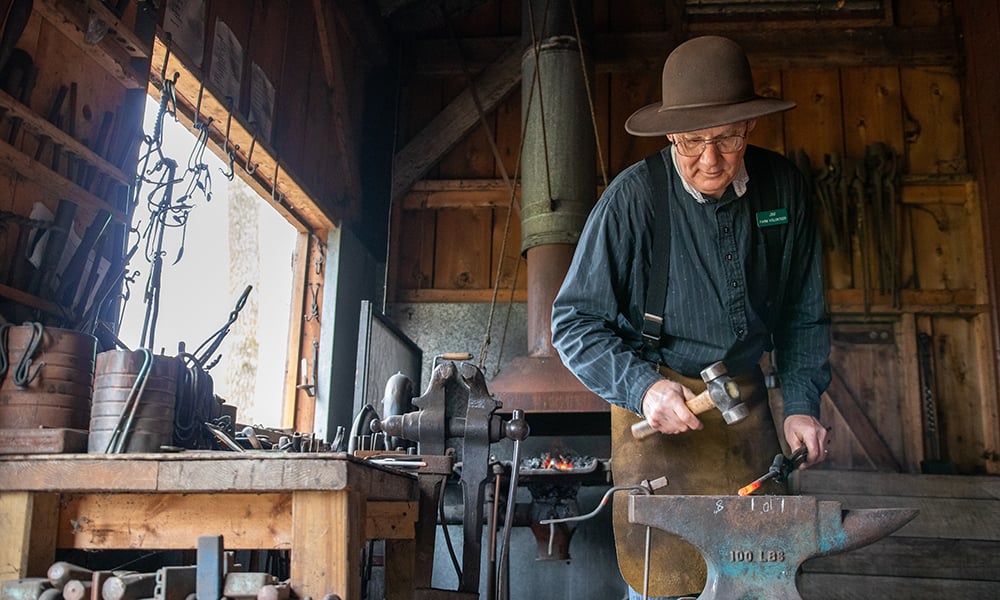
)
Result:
{"points": [[227, 243]]}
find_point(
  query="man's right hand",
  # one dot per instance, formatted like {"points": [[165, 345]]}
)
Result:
{"points": [[664, 408]]}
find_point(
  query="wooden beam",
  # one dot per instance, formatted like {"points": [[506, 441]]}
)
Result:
{"points": [[345, 153], [271, 179], [456, 120], [29, 521], [366, 28], [766, 48], [979, 21]]}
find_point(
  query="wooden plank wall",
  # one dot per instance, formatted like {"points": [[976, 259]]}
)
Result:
{"points": [[950, 550], [33, 174], [446, 229]]}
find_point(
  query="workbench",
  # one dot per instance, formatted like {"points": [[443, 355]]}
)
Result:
{"points": [[320, 506]]}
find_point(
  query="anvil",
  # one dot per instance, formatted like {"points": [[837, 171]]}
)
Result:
{"points": [[753, 545]]}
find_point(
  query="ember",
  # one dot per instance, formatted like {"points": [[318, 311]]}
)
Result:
{"points": [[560, 462]]}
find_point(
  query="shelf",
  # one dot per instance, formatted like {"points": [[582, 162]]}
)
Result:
{"points": [[851, 301], [31, 301], [33, 123], [55, 183], [114, 51]]}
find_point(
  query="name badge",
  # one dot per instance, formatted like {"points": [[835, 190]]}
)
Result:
{"points": [[770, 218]]}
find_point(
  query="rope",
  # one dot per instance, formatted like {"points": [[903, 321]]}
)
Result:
{"points": [[541, 102], [503, 246], [590, 98]]}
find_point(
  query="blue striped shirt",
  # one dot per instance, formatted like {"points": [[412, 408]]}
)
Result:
{"points": [[717, 295]]}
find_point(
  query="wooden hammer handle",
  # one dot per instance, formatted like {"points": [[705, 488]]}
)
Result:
{"points": [[699, 404]]}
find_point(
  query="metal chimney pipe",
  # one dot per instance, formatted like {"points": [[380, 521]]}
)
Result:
{"points": [[558, 191]]}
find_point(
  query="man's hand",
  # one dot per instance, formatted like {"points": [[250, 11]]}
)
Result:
{"points": [[664, 408], [808, 431]]}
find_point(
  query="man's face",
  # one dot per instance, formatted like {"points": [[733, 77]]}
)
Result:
{"points": [[712, 169]]}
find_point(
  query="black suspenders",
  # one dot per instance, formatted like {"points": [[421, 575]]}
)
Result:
{"points": [[659, 267]]}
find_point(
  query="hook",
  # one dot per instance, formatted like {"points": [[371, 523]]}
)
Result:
{"points": [[225, 147], [168, 42], [197, 106], [232, 159], [253, 144], [229, 120]]}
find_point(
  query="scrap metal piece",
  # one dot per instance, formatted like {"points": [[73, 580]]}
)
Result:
{"points": [[29, 588], [210, 573], [246, 586], [175, 583], [753, 546]]}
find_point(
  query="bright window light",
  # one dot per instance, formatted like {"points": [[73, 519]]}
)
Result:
{"points": [[231, 241]]}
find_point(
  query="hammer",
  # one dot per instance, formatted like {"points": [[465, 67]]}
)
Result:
{"points": [[721, 392]]}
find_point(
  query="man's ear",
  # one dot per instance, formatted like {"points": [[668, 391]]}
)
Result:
{"points": [[751, 124]]}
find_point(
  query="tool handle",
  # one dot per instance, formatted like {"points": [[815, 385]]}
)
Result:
{"points": [[699, 404]]}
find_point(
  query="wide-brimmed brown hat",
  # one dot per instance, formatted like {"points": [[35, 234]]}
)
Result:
{"points": [[706, 83]]}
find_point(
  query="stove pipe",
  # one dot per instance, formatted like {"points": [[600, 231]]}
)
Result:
{"points": [[558, 189]]}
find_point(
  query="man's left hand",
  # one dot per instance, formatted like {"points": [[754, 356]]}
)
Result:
{"points": [[803, 430]]}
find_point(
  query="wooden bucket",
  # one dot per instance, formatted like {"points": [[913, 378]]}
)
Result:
{"points": [[59, 378]]}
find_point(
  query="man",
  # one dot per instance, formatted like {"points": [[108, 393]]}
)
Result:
{"points": [[743, 276]]}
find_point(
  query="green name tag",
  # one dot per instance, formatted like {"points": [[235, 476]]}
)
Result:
{"points": [[769, 218]]}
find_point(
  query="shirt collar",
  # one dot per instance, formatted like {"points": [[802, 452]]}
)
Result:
{"points": [[739, 182]]}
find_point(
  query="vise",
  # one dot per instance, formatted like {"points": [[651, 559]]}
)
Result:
{"points": [[457, 404], [753, 546]]}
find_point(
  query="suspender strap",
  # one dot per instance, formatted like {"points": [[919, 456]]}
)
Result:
{"points": [[656, 289], [774, 244]]}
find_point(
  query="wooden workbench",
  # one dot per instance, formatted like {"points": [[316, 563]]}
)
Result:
{"points": [[320, 506]]}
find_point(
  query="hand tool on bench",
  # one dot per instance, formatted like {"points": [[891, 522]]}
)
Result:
{"points": [[721, 392], [779, 470], [753, 546]]}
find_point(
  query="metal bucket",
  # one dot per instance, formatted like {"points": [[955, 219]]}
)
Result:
{"points": [[49, 378], [116, 375]]}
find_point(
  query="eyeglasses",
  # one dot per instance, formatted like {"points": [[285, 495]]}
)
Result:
{"points": [[726, 144]]}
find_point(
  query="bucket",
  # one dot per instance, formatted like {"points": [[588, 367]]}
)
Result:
{"points": [[49, 377], [116, 375]]}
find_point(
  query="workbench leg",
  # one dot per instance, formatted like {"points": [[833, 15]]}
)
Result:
{"points": [[28, 526], [328, 531], [399, 564]]}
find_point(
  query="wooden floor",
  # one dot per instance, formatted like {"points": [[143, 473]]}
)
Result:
{"points": [[950, 550]]}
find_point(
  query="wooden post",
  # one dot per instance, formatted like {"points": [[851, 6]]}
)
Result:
{"points": [[28, 523]]}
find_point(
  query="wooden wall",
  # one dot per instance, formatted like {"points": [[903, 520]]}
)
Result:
{"points": [[70, 134], [904, 93]]}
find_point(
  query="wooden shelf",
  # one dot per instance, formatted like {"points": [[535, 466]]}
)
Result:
{"points": [[911, 301], [116, 49], [31, 301], [34, 124], [55, 183]]}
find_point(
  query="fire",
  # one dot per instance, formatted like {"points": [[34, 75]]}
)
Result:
{"points": [[560, 464]]}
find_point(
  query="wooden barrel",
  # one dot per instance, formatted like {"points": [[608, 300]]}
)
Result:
{"points": [[59, 378], [153, 422]]}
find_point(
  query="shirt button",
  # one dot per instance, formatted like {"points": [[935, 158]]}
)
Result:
{"points": [[739, 332], [735, 283], [725, 229], [729, 256]]}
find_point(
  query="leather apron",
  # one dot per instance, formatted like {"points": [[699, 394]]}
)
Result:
{"points": [[717, 460]]}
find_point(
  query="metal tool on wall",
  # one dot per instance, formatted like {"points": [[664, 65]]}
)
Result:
{"points": [[934, 460]]}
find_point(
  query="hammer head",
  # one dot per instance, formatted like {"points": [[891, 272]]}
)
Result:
{"points": [[724, 392]]}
